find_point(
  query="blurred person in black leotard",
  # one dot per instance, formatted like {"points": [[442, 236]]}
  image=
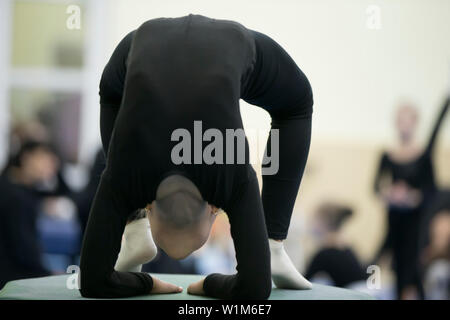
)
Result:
{"points": [[405, 181]]}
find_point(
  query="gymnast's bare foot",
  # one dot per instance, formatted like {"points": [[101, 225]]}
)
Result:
{"points": [[284, 273]]}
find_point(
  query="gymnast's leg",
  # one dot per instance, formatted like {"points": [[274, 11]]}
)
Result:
{"points": [[279, 86], [279, 194]]}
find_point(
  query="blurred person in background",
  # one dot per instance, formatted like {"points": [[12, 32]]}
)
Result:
{"points": [[83, 199], [435, 245], [33, 130], [217, 255], [437, 258], [20, 202], [405, 182], [26, 131], [335, 262], [55, 220]]}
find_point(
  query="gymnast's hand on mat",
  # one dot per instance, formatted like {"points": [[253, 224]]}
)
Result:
{"points": [[160, 286], [196, 288]]}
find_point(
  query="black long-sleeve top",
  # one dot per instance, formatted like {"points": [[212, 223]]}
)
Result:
{"points": [[417, 173], [163, 76]]}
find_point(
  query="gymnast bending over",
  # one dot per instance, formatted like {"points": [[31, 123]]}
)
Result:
{"points": [[164, 77]]}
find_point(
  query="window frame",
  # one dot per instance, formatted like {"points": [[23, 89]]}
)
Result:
{"points": [[84, 80]]}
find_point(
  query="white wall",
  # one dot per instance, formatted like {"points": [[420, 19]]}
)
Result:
{"points": [[358, 74]]}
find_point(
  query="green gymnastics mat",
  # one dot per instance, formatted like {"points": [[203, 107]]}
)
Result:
{"points": [[55, 288]]}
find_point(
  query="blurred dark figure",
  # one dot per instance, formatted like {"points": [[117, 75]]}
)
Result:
{"points": [[84, 198], [162, 263], [57, 225], [335, 259], [20, 201], [30, 131], [435, 245], [405, 182]]}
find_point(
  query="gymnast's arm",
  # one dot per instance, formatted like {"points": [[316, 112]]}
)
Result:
{"points": [[280, 87], [429, 148], [108, 214], [101, 247], [248, 230], [111, 89]]}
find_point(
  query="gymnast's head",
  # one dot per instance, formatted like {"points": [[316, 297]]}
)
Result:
{"points": [[180, 220]]}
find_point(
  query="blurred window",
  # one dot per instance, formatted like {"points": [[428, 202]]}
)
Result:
{"points": [[46, 69], [40, 37]]}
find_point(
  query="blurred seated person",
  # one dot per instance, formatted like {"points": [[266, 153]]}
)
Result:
{"points": [[33, 130], [20, 202], [335, 262]]}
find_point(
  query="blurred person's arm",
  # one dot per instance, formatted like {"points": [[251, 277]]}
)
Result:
{"points": [[437, 126], [382, 188], [382, 183], [111, 89]]}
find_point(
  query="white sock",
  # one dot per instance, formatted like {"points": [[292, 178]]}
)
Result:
{"points": [[137, 246], [284, 273]]}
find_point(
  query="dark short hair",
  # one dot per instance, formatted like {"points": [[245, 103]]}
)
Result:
{"points": [[334, 215], [183, 207], [29, 146]]}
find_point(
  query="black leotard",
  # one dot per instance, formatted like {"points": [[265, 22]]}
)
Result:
{"points": [[165, 75], [417, 173]]}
